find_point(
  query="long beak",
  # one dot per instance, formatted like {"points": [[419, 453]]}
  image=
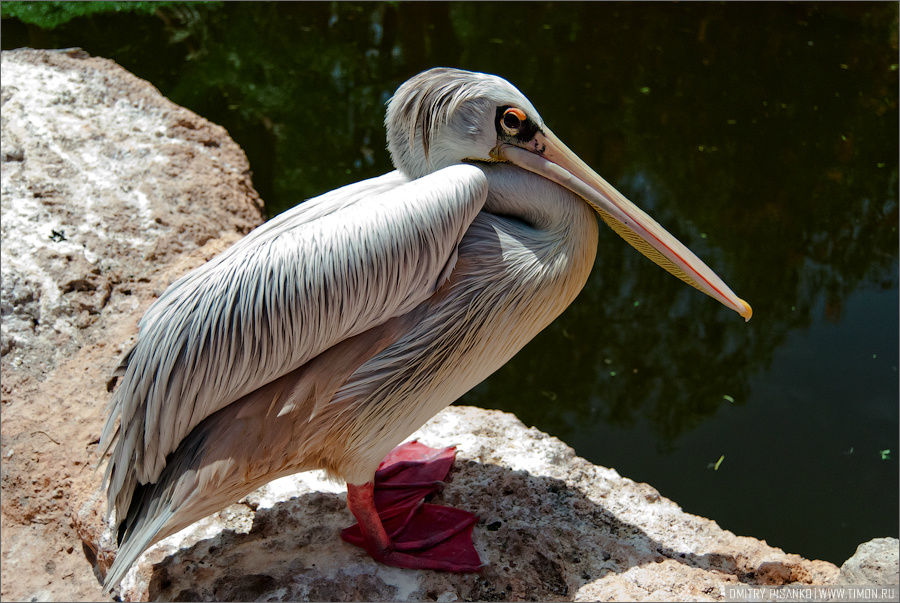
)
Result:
{"points": [[547, 156]]}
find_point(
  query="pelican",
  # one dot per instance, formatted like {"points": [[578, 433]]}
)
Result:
{"points": [[328, 335]]}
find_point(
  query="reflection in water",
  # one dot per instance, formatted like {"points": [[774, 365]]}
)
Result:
{"points": [[763, 136]]}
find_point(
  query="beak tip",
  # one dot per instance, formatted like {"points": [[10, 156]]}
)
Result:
{"points": [[748, 311]]}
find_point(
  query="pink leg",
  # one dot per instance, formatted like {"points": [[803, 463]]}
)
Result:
{"points": [[396, 528]]}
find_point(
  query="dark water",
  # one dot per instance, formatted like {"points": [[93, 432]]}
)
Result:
{"points": [[764, 136]]}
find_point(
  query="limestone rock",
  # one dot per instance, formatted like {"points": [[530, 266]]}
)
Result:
{"points": [[103, 181], [109, 192], [876, 562], [552, 527]]}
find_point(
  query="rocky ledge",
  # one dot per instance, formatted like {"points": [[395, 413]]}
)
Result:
{"points": [[110, 192]]}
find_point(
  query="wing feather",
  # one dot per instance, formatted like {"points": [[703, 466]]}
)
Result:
{"points": [[312, 277]]}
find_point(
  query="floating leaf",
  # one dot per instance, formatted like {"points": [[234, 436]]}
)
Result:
{"points": [[728, 398], [715, 466]]}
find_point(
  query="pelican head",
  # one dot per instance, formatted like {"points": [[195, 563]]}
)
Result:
{"points": [[442, 117]]}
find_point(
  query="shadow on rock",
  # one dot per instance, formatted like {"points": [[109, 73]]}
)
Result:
{"points": [[540, 538]]}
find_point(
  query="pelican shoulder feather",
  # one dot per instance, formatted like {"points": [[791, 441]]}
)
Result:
{"points": [[325, 271]]}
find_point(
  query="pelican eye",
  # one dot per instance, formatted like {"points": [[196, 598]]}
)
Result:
{"points": [[512, 121]]}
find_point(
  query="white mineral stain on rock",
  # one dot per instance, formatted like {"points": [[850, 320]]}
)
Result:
{"points": [[91, 181]]}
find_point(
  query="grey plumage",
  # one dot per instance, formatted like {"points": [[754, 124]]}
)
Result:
{"points": [[332, 332]]}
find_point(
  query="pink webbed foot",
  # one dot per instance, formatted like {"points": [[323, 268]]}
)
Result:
{"points": [[397, 528]]}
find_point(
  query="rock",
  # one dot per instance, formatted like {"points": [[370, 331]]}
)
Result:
{"points": [[103, 181], [552, 527], [109, 192], [876, 562]]}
